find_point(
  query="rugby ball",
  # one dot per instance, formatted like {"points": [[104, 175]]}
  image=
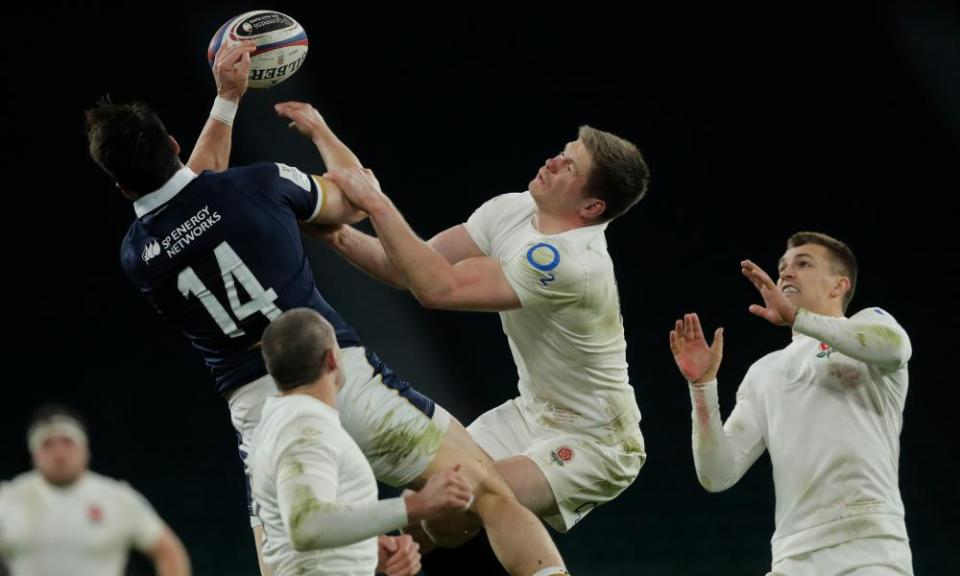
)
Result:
{"points": [[280, 40]]}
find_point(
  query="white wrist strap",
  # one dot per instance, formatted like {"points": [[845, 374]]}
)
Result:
{"points": [[223, 111]]}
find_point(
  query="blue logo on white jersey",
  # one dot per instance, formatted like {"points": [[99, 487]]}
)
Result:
{"points": [[543, 257]]}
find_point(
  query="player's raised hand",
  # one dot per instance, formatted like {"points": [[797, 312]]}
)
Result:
{"points": [[360, 186], [777, 309], [303, 117], [697, 361], [398, 556], [231, 69], [444, 492]]}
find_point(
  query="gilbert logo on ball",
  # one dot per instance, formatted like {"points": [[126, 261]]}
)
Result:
{"points": [[280, 40]]}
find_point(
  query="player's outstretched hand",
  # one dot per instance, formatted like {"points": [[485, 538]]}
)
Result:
{"points": [[697, 361], [776, 309], [231, 69]]}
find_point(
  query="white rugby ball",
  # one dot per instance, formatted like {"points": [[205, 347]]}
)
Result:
{"points": [[280, 40]]}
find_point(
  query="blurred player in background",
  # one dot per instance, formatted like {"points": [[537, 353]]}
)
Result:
{"points": [[828, 407], [61, 518]]}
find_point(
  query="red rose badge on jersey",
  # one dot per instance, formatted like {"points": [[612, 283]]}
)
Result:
{"points": [[95, 514], [562, 455]]}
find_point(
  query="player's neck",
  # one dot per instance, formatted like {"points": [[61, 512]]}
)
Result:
{"points": [[556, 224], [324, 390]]}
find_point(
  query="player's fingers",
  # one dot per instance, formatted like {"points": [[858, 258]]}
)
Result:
{"points": [[697, 329], [760, 311], [717, 346]]}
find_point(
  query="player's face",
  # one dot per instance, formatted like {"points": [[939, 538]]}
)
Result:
{"points": [[559, 184], [807, 279], [61, 460]]}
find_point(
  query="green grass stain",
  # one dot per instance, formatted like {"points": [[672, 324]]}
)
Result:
{"points": [[306, 505], [395, 444]]}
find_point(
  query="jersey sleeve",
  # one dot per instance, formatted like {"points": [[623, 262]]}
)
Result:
{"points": [[482, 224], [872, 336], [723, 451], [302, 192], [547, 271], [145, 525], [307, 470]]}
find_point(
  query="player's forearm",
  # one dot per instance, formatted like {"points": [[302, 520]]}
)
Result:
{"points": [[427, 274], [317, 525], [366, 253], [878, 343], [172, 566], [212, 150], [715, 455], [336, 155], [169, 556]]}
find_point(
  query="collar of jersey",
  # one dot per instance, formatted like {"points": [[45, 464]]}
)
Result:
{"points": [[150, 202]]}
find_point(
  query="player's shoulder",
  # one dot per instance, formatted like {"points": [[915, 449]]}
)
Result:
{"points": [[102, 483], [875, 313], [246, 173], [292, 415], [511, 202], [17, 486], [571, 253]]}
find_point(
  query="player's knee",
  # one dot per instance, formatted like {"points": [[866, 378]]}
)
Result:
{"points": [[450, 531], [492, 493]]}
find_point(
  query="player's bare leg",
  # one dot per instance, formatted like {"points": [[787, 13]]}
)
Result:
{"points": [[519, 540], [258, 540], [528, 484]]}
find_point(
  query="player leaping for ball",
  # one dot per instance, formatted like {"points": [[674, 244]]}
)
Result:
{"points": [[571, 441], [220, 254]]}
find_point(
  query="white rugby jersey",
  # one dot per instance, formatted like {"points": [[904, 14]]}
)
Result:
{"points": [[567, 337], [87, 527], [315, 492], [829, 408]]}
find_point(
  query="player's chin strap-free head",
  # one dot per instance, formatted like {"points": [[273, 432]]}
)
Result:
{"points": [[59, 425]]}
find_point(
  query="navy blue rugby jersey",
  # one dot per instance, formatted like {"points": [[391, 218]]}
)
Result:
{"points": [[220, 254]]}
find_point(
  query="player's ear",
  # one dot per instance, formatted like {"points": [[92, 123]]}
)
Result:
{"points": [[331, 360], [840, 287], [176, 145], [593, 209]]}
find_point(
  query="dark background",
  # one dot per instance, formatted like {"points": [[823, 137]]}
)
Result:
{"points": [[756, 122]]}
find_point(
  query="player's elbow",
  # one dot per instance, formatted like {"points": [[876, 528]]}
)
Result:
{"points": [[901, 353], [438, 296], [431, 301], [305, 531], [303, 541], [713, 482], [710, 485]]}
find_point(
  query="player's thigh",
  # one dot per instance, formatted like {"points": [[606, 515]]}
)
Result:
{"points": [[584, 473], [398, 429], [529, 484], [458, 448]]}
